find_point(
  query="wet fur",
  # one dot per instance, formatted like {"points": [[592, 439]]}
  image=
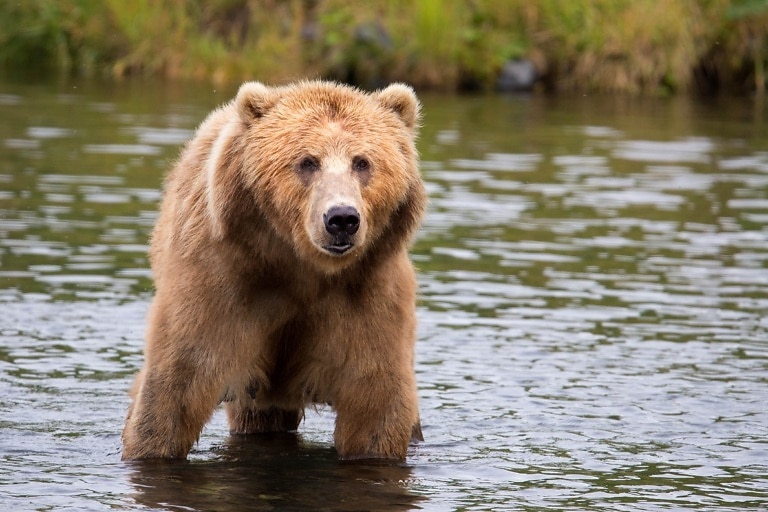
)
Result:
{"points": [[249, 310]]}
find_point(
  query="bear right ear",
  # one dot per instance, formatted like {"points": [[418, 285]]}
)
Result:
{"points": [[402, 100], [253, 100]]}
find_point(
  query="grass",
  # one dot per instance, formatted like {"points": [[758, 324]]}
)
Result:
{"points": [[624, 46]]}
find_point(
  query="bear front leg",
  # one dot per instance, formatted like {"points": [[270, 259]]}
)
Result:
{"points": [[377, 417], [171, 405]]}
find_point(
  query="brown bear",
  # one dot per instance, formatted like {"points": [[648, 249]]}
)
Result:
{"points": [[282, 275]]}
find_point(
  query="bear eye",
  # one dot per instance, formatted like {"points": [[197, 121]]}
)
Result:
{"points": [[309, 164], [361, 164]]}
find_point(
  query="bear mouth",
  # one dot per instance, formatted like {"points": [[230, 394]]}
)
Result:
{"points": [[338, 249]]}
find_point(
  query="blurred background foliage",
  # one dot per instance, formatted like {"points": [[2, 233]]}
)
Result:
{"points": [[628, 46]]}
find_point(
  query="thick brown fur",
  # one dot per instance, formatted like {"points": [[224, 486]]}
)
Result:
{"points": [[254, 305]]}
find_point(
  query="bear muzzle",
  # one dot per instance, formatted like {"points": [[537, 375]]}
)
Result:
{"points": [[342, 223]]}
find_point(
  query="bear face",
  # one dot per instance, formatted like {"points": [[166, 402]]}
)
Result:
{"points": [[330, 167]]}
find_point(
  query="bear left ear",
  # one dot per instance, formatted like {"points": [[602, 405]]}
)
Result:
{"points": [[402, 100], [253, 100]]}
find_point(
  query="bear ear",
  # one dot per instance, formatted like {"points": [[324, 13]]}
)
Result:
{"points": [[253, 100], [401, 99]]}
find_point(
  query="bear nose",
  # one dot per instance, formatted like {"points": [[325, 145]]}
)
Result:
{"points": [[342, 220]]}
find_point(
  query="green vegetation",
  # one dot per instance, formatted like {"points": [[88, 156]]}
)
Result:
{"points": [[636, 46]]}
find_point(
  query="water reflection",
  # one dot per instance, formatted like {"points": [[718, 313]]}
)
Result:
{"points": [[593, 332], [277, 472]]}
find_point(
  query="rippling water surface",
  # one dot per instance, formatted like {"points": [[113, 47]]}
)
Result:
{"points": [[593, 329]]}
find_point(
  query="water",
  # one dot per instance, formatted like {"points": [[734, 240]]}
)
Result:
{"points": [[593, 330]]}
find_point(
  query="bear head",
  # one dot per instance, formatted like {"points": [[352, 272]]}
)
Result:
{"points": [[331, 169]]}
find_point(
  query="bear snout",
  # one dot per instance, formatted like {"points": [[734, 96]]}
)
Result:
{"points": [[341, 222]]}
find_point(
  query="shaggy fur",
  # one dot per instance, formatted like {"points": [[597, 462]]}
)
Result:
{"points": [[258, 302]]}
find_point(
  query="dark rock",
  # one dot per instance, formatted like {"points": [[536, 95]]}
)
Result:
{"points": [[517, 75]]}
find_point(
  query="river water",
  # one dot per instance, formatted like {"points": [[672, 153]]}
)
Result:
{"points": [[593, 330]]}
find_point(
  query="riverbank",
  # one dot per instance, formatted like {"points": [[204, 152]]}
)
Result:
{"points": [[647, 47]]}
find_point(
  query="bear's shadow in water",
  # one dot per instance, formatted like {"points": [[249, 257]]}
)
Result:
{"points": [[273, 472]]}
